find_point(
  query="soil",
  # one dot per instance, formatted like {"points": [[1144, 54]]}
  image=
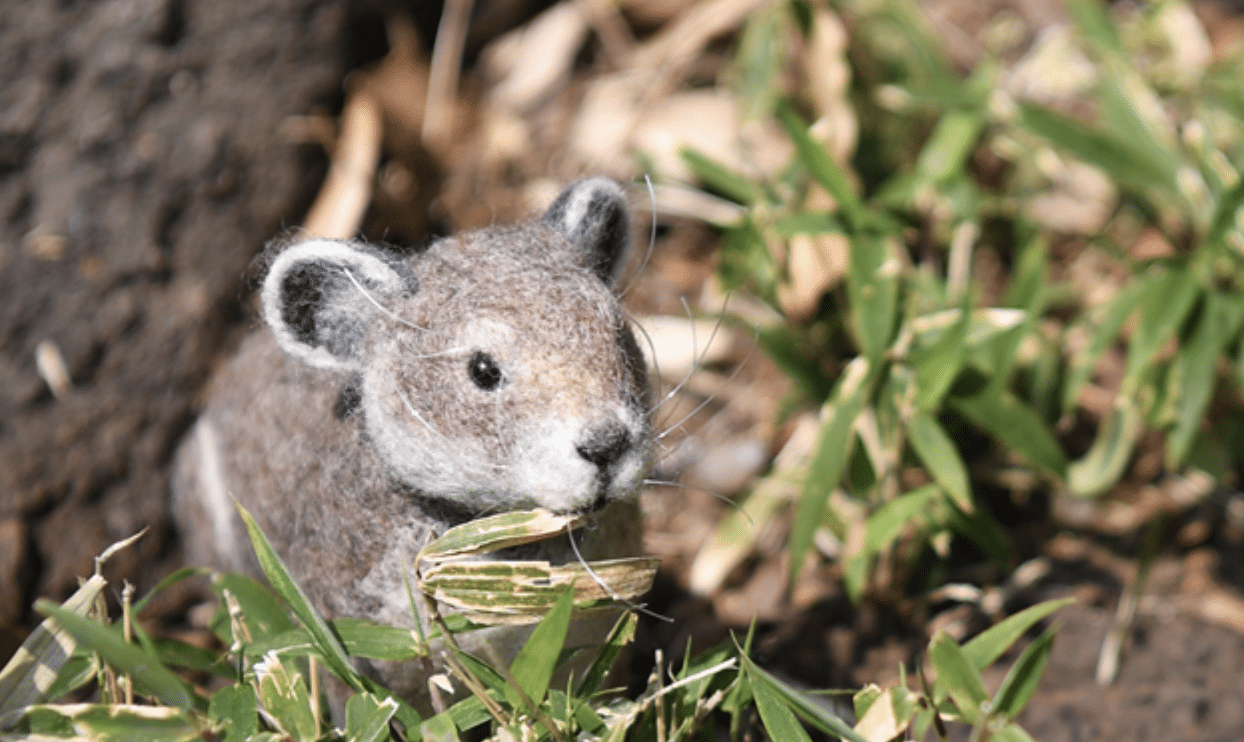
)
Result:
{"points": [[145, 158]]}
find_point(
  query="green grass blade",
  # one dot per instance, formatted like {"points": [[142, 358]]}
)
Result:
{"points": [[991, 643], [329, 646], [939, 455], [888, 521], [1127, 164], [938, 365], [1015, 425], [783, 701], [957, 676], [1165, 307], [1111, 451], [283, 694], [170, 580], [1224, 214], [1105, 333], [1094, 22], [830, 460], [261, 610], [1022, 679], [950, 143], [1195, 369], [872, 288], [720, 178], [823, 168], [533, 667], [623, 633], [146, 670], [367, 718]]}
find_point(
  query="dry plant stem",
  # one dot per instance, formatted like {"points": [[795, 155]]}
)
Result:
{"points": [[127, 621], [660, 678], [313, 668], [438, 117], [615, 37], [1111, 656], [339, 207]]}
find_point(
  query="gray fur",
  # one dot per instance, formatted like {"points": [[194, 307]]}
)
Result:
{"points": [[355, 427]]}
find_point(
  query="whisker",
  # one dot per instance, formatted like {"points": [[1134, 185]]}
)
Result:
{"points": [[612, 593], [698, 363], [415, 414], [383, 309], [652, 240], [692, 488], [712, 397]]}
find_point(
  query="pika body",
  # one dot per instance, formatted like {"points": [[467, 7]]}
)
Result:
{"points": [[389, 398]]}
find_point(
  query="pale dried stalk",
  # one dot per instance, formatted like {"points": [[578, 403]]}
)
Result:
{"points": [[438, 117], [343, 199]]}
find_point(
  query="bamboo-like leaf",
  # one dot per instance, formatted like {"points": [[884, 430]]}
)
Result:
{"points": [[872, 288], [779, 695], [1094, 22], [822, 166], [1022, 679], [937, 367], [1014, 424], [991, 643], [498, 592], [329, 646], [939, 455], [147, 671], [533, 667], [1224, 214], [440, 728], [957, 676], [367, 718], [238, 709], [780, 722], [1106, 460], [888, 716], [262, 612], [1194, 371], [830, 459], [110, 722], [284, 696], [483, 535]]}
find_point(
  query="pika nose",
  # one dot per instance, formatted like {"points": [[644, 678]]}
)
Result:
{"points": [[605, 445]]}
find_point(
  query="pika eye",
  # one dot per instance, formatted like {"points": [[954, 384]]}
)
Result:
{"points": [[484, 371]]}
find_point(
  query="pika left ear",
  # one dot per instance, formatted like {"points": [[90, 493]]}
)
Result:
{"points": [[592, 214]]}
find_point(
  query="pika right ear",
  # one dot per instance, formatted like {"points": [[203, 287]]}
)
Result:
{"points": [[320, 295]]}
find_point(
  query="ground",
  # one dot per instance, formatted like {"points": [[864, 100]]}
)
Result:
{"points": [[149, 148]]}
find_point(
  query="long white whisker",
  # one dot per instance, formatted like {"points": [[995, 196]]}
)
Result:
{"points": [[383, 309], [652, 239], [415, 414], [709, 399], [612, 593], [691, 488]]}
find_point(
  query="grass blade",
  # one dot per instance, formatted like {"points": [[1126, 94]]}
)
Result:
{"points": [[781, 700], [1111, 451], [1022, 679], [939, 455], [888, 521], [720, 178], [872, 288], [830, 460], [1015, 425], [823, 168], [1165, 307], [1195, 370], [623, 633], [989, 645], [533, 667], [958, 677]]}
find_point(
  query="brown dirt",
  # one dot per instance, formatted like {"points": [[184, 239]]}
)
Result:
{"points": [[144, 161]]}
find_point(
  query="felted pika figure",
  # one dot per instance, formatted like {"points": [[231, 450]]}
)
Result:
{"points": [[393, 397]]}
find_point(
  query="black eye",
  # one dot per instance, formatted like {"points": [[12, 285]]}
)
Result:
{"points": [[484, 371]]}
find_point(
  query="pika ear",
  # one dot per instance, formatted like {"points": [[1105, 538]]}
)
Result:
{"points": [[592, 214], [319, 296]]}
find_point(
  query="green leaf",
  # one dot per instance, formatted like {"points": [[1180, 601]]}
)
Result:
{"points": [[1107, 329], [937, 366], [364, 638], [872, 288], [949, 145], [1022, 679], [440, 728], [329, 646], [830, 459], [1165, 307], [623, 633], [262, 612], [1015, 425], [1195, 369], [146, 670], [170, 580], [238, 709], [107, 722], [32, 670], [284, 696], [367, 718], [780, 697], [779, 721], [1094, 22], [720, 178], [533, 667], [77, 672], [822, 166], [939, 455], [759, 61], [888, 521], [1107, 458], [1224, 214], [957, 676], [991, 643]]}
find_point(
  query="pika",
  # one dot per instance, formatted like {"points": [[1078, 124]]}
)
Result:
{"points": [[390, 398]]}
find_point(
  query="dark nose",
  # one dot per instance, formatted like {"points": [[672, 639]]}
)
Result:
{"points": [[605, 445]]}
